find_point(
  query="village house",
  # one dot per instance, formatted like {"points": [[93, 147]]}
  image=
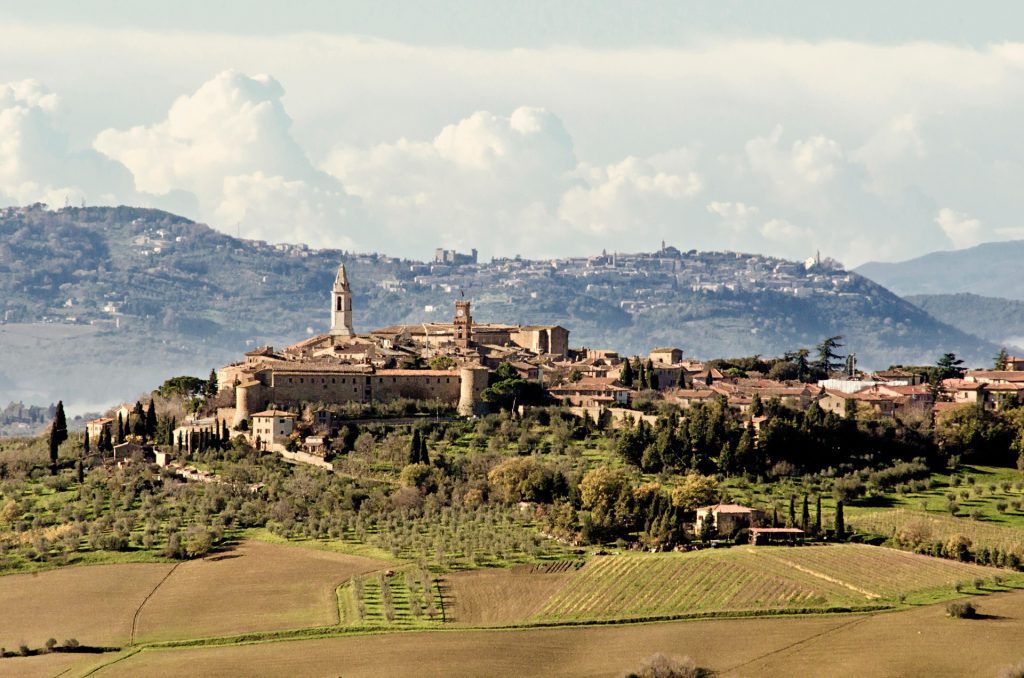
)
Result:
{"points": [[96, 427], [867, 400], [271, 429], [591, 392]]}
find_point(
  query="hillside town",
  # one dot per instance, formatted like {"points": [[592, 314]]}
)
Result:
{"points": [[283, 400]]}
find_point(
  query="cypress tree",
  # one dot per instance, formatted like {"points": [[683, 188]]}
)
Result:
{"points": [[627, 377], [681, 379], [840, 523], [170, 433], [80, 471], [85, 444], [792, 511], [817, 516], [60, 423], [138, 421], [151, 420], [805, 516], [414, 447], [424, 453], [652, 377], [120, 429], [58, 434]]}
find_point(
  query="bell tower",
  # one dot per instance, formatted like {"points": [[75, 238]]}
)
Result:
{"points": [[463, 324], [341, 305]]}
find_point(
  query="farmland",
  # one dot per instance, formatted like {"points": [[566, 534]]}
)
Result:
{"points": [[900, 523], [916, 641], [739, 581]]}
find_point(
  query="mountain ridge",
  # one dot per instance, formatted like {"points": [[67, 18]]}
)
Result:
{"points": [[164, 294], [987, 270]]}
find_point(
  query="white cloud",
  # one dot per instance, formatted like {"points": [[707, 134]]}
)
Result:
{"points": [[781, 230], [962, 230], [877, 138], [229, 144], [36, 164]]}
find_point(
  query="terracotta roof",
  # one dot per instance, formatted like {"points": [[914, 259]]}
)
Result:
{"points": [[274, 413], [727, 508]]}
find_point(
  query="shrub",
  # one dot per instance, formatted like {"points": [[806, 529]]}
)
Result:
{"points": [[50, 644], [961, 609], [1001, 506], [71, 642], [24, 651], [1014, 671], [660, 666]]}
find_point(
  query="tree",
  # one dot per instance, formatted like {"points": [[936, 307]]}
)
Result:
{"points": [[652, 377], [828, 359], [210, 387], [626, 376], [414, 447], [151, 422], [183, 387], [138, 420], [949, 366], [120, 429], [817, 515], [791, 521], [840, 522], [850, 409], [695, 490], [805, 516], [524, 479], [681, 379], [756, 406], [1002, 360], [798, 359], [85, 444], [58, 434]]}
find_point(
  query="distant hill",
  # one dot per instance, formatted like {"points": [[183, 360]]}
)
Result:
{"points": [[102, 303], [1000, 321], [990, 269]]}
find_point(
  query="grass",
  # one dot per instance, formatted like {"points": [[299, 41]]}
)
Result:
{"points": [[940, 527]]}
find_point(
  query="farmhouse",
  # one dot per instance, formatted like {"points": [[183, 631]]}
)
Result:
{"points": [[728, 518], [775, 535]]}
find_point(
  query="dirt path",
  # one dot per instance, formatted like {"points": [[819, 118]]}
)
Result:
{"points": [[138, 610]]}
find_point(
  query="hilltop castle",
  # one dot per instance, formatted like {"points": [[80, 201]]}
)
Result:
{"points": [[342, 366]]}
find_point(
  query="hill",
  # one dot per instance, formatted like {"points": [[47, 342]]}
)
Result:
{"points": [[102, 303], [1000, 321], [988, 269]]}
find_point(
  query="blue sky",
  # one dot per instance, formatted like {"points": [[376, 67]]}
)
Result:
{"points": [[868, 131]]}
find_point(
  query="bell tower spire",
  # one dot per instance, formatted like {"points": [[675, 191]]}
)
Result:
{"points": [[341, 305]]}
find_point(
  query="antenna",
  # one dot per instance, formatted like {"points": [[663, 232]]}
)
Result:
{"points": [[462, 293]]}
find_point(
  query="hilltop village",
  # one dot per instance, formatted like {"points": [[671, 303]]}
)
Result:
{"points": [[456, 364]]}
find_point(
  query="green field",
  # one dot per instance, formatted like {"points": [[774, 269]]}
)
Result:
{"points": [[941, 527]]}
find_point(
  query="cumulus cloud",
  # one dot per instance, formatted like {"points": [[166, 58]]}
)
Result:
{"points": [[962, 230], [230, 145], [516, 177], [36, 164]]}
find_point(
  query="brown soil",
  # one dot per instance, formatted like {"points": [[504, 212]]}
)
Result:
{"points": [[496, 597], [920, 641], [255, 587]]}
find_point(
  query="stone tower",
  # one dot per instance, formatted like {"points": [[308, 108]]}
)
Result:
{"points": [[472, 382], [341, 305], [463, 324]]}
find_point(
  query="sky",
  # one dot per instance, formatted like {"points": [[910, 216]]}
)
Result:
{"points": [[865, 131]]}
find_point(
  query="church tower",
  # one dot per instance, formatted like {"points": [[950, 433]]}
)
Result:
{"points": [[463, 324], [341, 305]]}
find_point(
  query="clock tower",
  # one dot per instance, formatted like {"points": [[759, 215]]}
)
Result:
{"points": [[463, 324]]}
